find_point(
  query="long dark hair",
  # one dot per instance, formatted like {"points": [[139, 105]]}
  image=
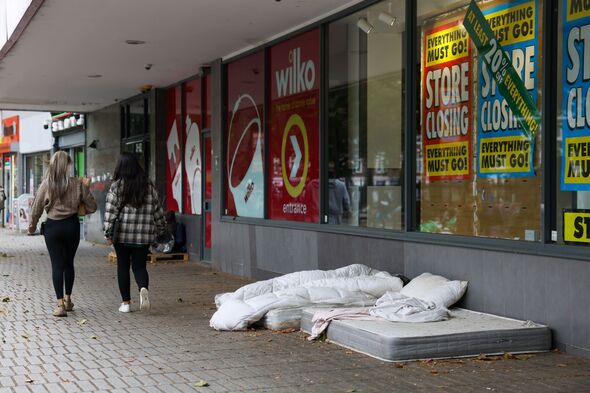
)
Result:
{"points": [[133, 179]]}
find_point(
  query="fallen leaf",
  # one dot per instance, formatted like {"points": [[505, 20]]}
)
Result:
{"points": [[5, 299], [509, 356], [82, 322], [25, 337], [28, 380], [398, 365], [287, 331], [93, 337], [202, 383], [179, 300]]}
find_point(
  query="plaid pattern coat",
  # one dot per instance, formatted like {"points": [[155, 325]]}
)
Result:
{"points": [[135, 225]]}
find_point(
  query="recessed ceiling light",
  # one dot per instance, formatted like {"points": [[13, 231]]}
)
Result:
{"points": [[95, 76], [134, 42]]}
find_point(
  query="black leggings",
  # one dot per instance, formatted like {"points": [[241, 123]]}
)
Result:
{"points": [[135, 256], [62, 238]]}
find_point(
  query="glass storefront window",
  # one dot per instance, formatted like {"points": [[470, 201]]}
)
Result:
{"points": [[366, 118], [573, 124], [35, 167], [174, 130], [136, 112], [477, 172], [193, 171], [245, 137]]}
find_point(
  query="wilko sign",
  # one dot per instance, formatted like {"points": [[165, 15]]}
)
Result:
{"points": [[299, 77], [294, 129]]}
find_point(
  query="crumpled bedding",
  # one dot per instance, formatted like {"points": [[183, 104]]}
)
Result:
{"points": [[395, 307], [297, 279], [392, 306], [354, 286]]}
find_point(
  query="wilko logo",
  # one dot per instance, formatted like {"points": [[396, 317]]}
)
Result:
{"points": [[298, 77]]}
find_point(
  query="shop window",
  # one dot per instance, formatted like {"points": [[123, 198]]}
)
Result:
{"points": [[573, 124], [208, 101], [294, 138], [174, 130], [135, 129], [244, 137], [192, 147], [35, 167], [478, 166], [366, 118]]}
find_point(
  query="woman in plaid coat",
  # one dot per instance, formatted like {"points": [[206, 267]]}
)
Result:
{"points": [[133, 217]]}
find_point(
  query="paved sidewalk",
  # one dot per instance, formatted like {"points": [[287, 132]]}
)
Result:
{"points": [[172, 348]]}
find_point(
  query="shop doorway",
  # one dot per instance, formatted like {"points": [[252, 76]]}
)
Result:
{"points": [[208, 182]]}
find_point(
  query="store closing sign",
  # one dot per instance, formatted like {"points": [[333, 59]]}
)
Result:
{"points": [[446, 103], [576, 226], [505, 100], [575, 168]]}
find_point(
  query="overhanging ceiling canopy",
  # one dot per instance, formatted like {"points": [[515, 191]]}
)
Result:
{"points": [[73, 55]]}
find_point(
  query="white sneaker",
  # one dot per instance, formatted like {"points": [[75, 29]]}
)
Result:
{"points": [[144, 299], [124, 308]]}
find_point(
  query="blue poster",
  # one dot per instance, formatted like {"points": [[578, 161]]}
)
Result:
{"points": [[504, 150], [575, 164]]}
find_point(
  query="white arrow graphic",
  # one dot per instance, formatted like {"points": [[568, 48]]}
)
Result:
{"points": [[297, 162]]}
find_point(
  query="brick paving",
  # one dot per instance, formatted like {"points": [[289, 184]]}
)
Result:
{"points": [[172, 348]]}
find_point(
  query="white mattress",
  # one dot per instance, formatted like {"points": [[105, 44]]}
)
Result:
{"points": [[285, 318], [467, 333]]}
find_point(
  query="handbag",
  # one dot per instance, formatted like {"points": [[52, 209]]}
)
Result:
{"points": [[81, 205]]}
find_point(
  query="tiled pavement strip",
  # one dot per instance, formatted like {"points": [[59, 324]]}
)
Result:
{"points": [[172, 348]]}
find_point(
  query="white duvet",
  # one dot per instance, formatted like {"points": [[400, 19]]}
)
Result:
{"points": [[354, 285]]}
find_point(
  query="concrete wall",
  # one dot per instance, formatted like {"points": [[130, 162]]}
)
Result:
{"points": [[542, 289], [104, 126]]}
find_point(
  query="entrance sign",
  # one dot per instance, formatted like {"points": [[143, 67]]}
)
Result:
{"points": [[575, 166], [294, 129]]}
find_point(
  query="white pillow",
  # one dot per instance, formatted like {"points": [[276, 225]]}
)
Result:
{"points": [[436, 289]]}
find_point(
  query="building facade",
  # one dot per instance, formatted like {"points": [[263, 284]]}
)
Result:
{"points": [[446, 136]]}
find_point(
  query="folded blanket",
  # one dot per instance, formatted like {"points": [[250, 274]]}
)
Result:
{"points": [[321, 319]]}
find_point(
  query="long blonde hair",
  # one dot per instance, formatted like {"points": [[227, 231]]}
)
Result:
{"points": [[57, 175]]}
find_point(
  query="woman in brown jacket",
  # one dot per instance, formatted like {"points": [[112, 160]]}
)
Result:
{"points": [[60, 196]]}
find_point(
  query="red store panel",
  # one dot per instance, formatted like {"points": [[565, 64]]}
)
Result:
{"points": [[294, 135], [192, 148], [173, 150], [244, 186]]}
